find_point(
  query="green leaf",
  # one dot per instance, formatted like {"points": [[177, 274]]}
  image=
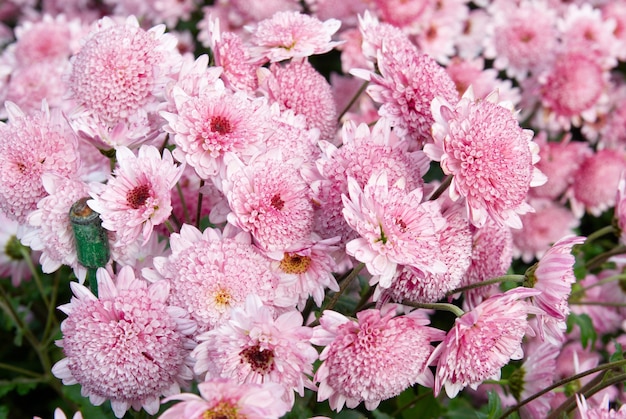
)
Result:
{"points": [[4, 412], [86, 408], [618, 355], [494, 407], [377, 414], [24, 388], [584, 323], [460, 408]]}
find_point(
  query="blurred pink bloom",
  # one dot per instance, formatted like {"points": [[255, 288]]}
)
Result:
{"points": [[223, 398], [137, 197], [12, 262], [373, 358], [254, 347], [128, 345], [482, 341], [601, 412], [491, 158]]}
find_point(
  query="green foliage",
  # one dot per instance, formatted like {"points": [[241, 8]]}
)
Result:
{"points": [[588, 334]]}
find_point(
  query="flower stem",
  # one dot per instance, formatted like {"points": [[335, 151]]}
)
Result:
{"points": [[344, 286], [182, 201], [618, 277], [513, 277], [353, 100], [560, 383], [436, 306], [199, 207], [442, 188], [598, 260], [29, 261], [599, 233]]}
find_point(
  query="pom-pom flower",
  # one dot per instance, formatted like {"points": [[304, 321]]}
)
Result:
{"points": [[127, 346], [374, 358], [491, 157], [138, 197]]}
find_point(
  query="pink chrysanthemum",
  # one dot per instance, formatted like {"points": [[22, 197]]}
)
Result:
{"points": [[58, 414], [620, 207], [291, 136], [154, 11], [407, 83], [395, 228], [12, 262], [308, 271], [550, 221], [466, 73], [492, 254], [299, 87], [482, 341], [138, 196], [523, 38], [31, 84], [31, 145], [536, 373], [127, 346], [292, 35], [270, 199], [491, 158], [364, 151], [373, 33], [53, 233], [456, 250], [553, 276], [214, 122], [223, 398], [212, 273], [122, 68], [595, 182], [600, 412], [373, 358], [253, 347]]}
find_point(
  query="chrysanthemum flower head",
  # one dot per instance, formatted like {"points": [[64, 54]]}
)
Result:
{"points": [[299, 87], [600, 412], [372, 358], [31, 145], [270, 199], [255, 347], [292, 35], [491, 158], [128, 345], [214, 122], [407, 83], [138, 196], [212, 272], [122, 68], [395, 228], [224, 398], [482, 341]]}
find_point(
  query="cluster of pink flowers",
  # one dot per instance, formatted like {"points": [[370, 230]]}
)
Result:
{"points": [[242, 192]]}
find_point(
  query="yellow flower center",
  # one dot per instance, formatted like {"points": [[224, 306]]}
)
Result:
{"points": [[294, 263]]}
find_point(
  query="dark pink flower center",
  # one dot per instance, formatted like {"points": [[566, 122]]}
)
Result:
{"points": [[221, 125], [261, 361], [138, 196], [277, 202]]}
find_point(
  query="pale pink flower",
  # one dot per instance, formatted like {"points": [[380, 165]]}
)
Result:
{"points": [[559, 161], [374, 32], [299, 87], [550, 221], [228, 398], [122, 69], [404, 14], [308, 270], [31, 84], [595, 183], [212, 272], [154, 11], [491, 158], [600, 412], [616, 11], [407, 82], [364, 151], [53, 233], [347, 11], [127, 346], [466, 73], [492, 254], [553, 275], [235, 14], [12, 262], [373, 358], [270, 199], [611, 134], [31, 145], [291, 135], [456, 253], [194, 76], [137, 197], [395, 228], [289, 35], [482, 341], [620, 207], [58, 414], [536, 373], [216, 121], [255, 347], [522, 39]]}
